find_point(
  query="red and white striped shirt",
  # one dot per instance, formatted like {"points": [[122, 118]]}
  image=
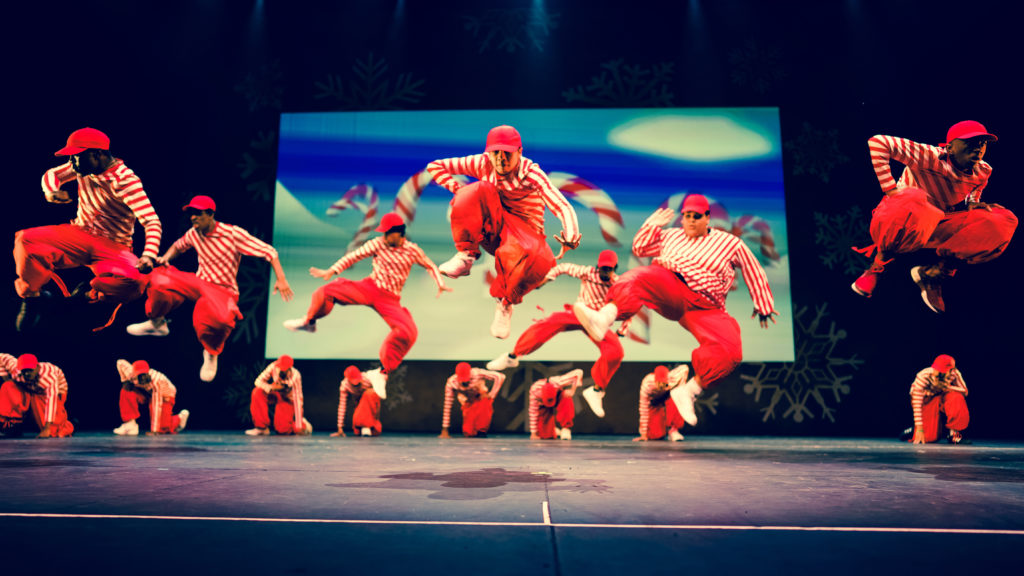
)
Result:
{"points": [[653, 392], [109, 203], [346, 388], [51, 383], [592, 288], [158, 382], [220, 252], [567, 382], [391, 266], [469, 391], [706, 263], [929, 168], [927, 386], [523, 194], [270, 380]]}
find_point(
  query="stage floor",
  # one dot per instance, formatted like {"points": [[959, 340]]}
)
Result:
{"points": [[205, 502]]}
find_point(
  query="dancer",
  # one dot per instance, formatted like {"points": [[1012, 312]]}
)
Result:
{"points": [[939, 388], [110, 199], [29, 385], [594, 285], [393, 256], [504, 213], [935, 205], [658, 414], [214, 285], [280, 385], [476, 400], [366, 416], [552, 409], [687, 282], [140, 384]]}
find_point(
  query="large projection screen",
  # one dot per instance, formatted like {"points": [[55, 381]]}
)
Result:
{"points": [[613, 164]]}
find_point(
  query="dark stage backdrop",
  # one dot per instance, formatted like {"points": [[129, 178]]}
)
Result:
{"points": [[191, 94]]}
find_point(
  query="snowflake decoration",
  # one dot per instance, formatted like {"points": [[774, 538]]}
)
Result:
{"points": [[263, 88], [238, 394], [760, 69], [371, 88], [816, 152], [816, 373], [626, 85], [512, 29], [838, 234], [257, 166]]}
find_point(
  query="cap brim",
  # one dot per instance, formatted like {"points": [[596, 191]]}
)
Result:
{"points": [[69, 151], [502, 147], [968, 136]]}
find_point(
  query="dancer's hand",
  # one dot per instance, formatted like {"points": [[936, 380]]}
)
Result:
{"points": [[286, 291], [640, 438], [339, 433], [442, 288], [444, 434], [318, 273], [661, 217], [918, 435], [982, 205], [763, 319], [145, 265], [566, 243]]}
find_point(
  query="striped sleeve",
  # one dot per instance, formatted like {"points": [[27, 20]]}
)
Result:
{"points": [[186, 242], [534, 408], [249, 245], [297, 399], [124, 368], [568, 381], [556, 202], [129, 189], [53, 381], [421, 258], [55, 177], [444, 170], [918, 394], [496, 378], [647, 386], [647, 241], [265, 378], [156, 404], [7, 365], [675, 376], [364, 251], [756, 280], [883, 149], [569, 269], [449, 397]]}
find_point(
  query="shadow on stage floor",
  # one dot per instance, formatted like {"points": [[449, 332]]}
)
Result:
{"points": [[226, 503]]}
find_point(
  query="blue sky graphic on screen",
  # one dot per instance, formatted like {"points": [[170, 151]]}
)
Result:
{"points": [[615, 166]]}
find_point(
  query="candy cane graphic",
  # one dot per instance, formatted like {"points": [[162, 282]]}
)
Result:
{"points": [[594, 198], [363, 198]]}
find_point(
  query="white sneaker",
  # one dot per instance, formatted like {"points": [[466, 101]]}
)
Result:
{"points": [[307, 428], [685, 398], [378, 381], [257, 432], [365, 431], [674, 436], [129, 428], [565, 434], [297, 324], [595, 399], [182, 419], [503, 362], [209, 370], [458, 265], [502, 325], [149, 328], [596, 322]]}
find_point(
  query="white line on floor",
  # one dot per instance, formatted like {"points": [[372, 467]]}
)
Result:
{"points": [[893, 530], [546, 512]]}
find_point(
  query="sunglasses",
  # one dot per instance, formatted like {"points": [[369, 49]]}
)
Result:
{"points": [[693, 215]]}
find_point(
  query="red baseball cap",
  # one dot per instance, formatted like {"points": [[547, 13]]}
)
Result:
{"points": [[389, 221], [463, 371], [285, 363], [607, 258], [967, 129], [83, 139], [695, 203], [661, 374], [27, 362], [548, 394], [943, 362], [503, 138], [201, 203], [352, 374], [140, 367]]}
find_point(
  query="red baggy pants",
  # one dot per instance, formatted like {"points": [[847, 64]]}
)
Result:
{"points": [[284, 411], [476, 416], [367, 413], [365, 293], [522, 255], [14, 402], [720, 348], [545, 329], [907, 222], [662, 417], [216, 310], [41, 250], [131, 400], [957, 417]]}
